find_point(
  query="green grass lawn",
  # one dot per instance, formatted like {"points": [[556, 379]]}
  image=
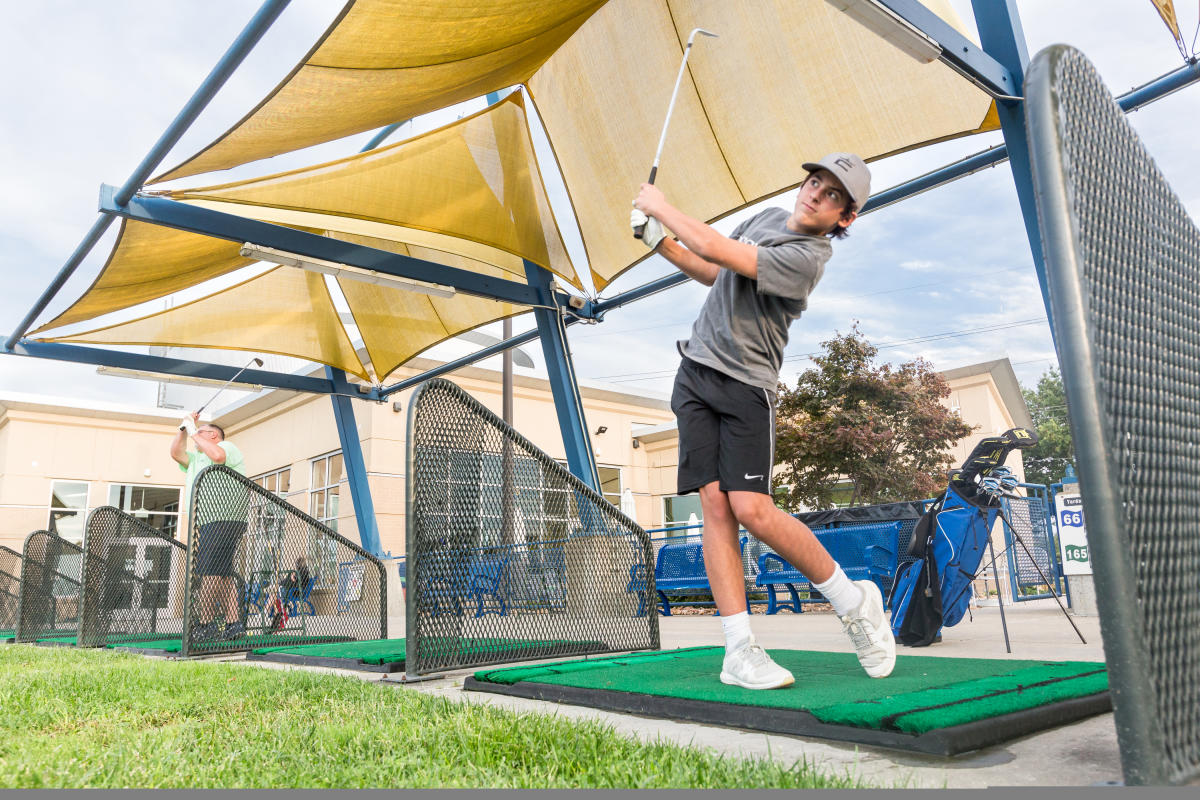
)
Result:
{"points": [[85, 718]]}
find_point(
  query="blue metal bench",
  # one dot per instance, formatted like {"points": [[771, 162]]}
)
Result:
{"points": [[677, 568], [864, 552]]}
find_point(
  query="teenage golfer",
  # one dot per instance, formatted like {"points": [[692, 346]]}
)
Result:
{"points": [[724, 398]]}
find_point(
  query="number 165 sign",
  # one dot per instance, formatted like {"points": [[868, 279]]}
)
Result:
{"points": [[1072, 536]]}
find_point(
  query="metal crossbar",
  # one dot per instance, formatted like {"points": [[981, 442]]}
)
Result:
{"points": [[509, 556], [132, 581], [10, 588], [260, 572], [1123, 265], [50, 587]]}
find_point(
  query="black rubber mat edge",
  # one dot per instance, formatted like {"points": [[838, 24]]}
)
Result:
{"points": [[951, 741], [326, 661]]}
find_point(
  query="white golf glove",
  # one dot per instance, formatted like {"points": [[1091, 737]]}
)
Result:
{"points": [[653, 233], [188, 424]]}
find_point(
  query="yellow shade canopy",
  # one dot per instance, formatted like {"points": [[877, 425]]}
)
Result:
{"points": [[786, 82], [286, 311], [475, 180], [149, 262]]}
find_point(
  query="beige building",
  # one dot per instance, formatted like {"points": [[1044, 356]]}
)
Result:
{"points": [[60, 459]]}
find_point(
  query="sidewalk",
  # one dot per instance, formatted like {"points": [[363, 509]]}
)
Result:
{"points": [[1081, 754]]}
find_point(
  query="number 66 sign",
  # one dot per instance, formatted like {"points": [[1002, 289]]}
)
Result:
{"points": [[1072, 536]]}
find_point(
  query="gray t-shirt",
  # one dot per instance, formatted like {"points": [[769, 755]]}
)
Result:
{"points": [[743, 326]]}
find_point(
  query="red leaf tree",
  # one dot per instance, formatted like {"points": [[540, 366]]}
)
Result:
{"points": [[882, 429]]}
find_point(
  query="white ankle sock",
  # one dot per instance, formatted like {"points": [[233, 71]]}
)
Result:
{"points": [[737, 631], [841, 592]]}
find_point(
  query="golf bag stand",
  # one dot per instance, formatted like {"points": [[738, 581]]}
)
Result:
{"points": [[934, 591]]}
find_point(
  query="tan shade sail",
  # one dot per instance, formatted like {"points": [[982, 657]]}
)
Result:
{"points": [[475, 180], [385, 61], [1166, 10], [396, 325], [286, 311], [149, 262], [788, 81]]}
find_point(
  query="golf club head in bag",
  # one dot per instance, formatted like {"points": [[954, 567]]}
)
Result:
{"points": [[990, 453]]}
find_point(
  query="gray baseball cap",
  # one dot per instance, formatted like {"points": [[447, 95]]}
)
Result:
{"points": [[850, 170]]}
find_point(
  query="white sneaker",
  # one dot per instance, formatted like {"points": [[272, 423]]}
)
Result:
{"points": [[868, 629], [751, 668]]}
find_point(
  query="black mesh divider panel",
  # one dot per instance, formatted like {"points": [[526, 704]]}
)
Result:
{"points": [[262, 573], [1123, 263], [132, 581], [10, 588], [50, 588], [510, 557]]}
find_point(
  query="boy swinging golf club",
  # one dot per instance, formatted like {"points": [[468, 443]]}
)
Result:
{"points": [[724, 398]]}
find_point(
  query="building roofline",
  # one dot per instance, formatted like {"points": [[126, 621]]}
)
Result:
{"points": [[1006, 383]]}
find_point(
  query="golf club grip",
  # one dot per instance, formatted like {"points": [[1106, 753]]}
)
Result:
{"points": [[640, 229]]}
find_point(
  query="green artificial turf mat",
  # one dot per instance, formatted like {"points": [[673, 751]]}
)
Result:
{"points": [[370, 651], [64, 640], [924, 694]]}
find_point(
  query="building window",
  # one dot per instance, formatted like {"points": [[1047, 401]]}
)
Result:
{"points": [[682, 510], [157, 506], [610, 484], [279, 481], [68, 509], [323, 499]]}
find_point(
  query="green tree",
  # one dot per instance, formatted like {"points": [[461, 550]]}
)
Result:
{"points": [[882, 428], [1047, 462]]}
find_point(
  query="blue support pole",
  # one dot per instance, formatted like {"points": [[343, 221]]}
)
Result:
{"points": [[568, 402], [1001, 36], [356, 468], [237, 52]]}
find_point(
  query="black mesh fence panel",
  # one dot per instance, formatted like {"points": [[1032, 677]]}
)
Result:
{"points": [[133, 578], [50, 588], [10, 589], [262, 573], [509, 556], [1123, 262]]}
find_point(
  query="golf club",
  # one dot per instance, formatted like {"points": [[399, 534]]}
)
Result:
{"points": [[258, 362], [637, 232]]}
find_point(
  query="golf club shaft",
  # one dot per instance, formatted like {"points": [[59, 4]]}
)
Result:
{"points": [[255, 361], [640, 229]]}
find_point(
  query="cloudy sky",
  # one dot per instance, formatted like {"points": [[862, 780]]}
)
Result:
{"points": [[946, 276]]}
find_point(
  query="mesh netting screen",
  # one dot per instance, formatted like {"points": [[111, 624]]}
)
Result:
{"points": [[1123, 262], [1032, 558], [132, 581], [509, 556], [50, 595], [10, 588], [263, 573]]}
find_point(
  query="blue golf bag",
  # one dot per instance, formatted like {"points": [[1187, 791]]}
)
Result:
{"points": [[948, 543]]}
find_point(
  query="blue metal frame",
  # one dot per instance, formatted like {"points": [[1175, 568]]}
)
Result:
{"points": [[182, 216], [356, 468], [993, 75], [559, 368]]}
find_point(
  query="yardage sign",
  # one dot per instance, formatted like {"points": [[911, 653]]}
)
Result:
{"points": [[1072, 536]]}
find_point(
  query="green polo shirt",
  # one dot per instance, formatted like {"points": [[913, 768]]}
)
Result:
{"points": [[197, 461]]}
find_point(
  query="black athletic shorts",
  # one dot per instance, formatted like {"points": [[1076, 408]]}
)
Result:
{"points": [[217, 545], [726, 431]]}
